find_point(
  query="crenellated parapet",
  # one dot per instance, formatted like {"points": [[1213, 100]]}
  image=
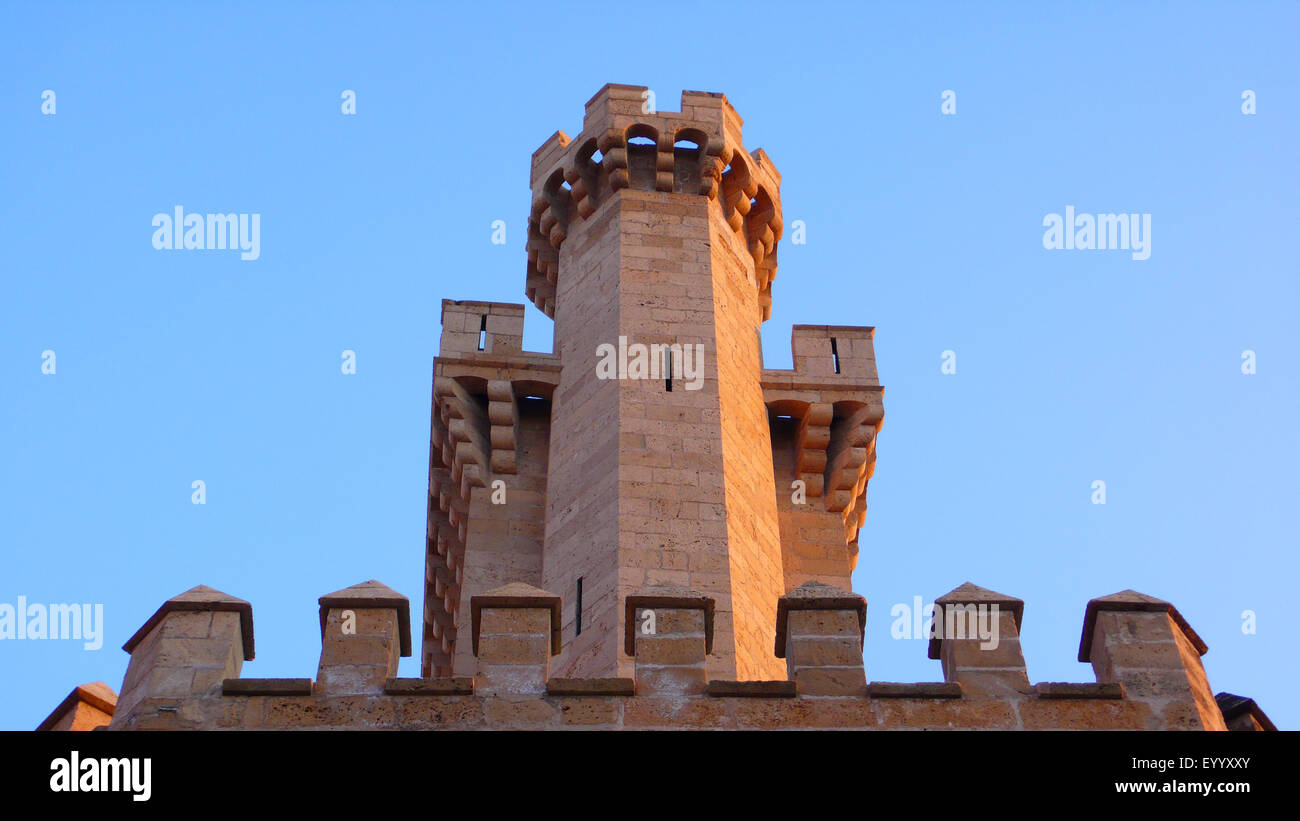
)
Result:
{"points": [[1147, 662], [824, 415], [485, 386], [625, 145]]}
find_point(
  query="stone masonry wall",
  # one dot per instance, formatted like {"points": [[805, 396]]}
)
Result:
{"points": [[1142, 684], [582, 506], [757, 578]]}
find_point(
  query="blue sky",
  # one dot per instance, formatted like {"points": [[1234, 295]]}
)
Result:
{"points": [[1072, 366]]}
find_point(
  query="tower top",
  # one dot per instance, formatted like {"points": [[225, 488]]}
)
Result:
{"points": [[627, 143]]}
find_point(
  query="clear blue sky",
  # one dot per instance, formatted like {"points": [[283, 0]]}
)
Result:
{"points": [[1072, 366]]}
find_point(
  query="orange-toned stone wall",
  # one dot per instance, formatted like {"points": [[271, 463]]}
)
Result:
{"points": [[504, 541], [693, 466], [1152, 655], [753, 535], [489, 441], [599, 711], [82, 717], [671, 521], [812, 538], [824, 415], [188, 653], [582, 503], [1146, 658]]}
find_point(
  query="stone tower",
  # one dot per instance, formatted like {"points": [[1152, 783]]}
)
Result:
{"points": [[707, 472], [569, 508]]}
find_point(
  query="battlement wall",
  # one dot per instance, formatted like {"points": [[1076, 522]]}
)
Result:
{"points": [[488, 466], [824, 415], [1145, 657], [625, 144]]}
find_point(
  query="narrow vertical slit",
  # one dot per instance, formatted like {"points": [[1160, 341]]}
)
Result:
{"points": [[835, 354], [482, 333], [668, 369], [577, 610]]}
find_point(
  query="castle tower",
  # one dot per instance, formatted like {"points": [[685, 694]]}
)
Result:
{"points": [[723, 498], [651, 448]]}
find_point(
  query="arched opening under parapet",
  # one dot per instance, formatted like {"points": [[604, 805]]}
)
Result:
{"points": [[762, 213], [588, 165], [736, 174], [783, 419], [642, 156], [788, 408], [560, 196], [530, 389], [588, 161], [735, 181], [688, 156]]}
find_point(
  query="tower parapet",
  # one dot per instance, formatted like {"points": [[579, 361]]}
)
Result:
{"points": [[825, 414], [490, 423], [623, 145]]}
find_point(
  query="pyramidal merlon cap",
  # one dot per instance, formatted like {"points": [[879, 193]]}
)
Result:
{"points": [[516, 594], [97, 694], [970, 593], [816, 596], [201, 599], [371, 595], [668, 596], [1133, 601]]}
